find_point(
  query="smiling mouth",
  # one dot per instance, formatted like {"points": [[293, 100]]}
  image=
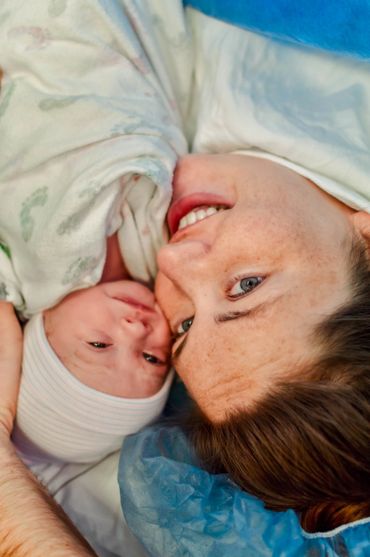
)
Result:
{"points": [[198, 214], [192, 209]]}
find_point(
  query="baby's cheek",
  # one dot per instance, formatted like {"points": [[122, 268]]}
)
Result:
{"points": [[150, 383]]}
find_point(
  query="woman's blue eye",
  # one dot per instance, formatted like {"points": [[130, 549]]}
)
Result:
{"points": [[244, 286], [152, 359], [99, 345], [184, 326]]}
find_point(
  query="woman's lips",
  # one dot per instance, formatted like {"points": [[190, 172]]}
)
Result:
{"points": [[185, 204]]}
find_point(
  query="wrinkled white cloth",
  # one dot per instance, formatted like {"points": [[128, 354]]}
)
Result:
{"points": [[92, 501], [90, 496], [91, 111], [307, 107]]}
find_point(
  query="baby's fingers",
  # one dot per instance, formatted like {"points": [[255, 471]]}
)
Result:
{"points": [[10, 365]]}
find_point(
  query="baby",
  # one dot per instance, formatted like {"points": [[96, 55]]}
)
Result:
{"points": [[94, 370]]}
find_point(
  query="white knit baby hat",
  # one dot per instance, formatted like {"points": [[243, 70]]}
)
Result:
{"points": [[61, 419]]}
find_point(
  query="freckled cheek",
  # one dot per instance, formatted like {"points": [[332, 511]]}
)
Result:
{"points": [[163, 338], [199, 385], [194, 370], [303, 238], [174, 312], [202, 366], [259, 239], [166, 297]]}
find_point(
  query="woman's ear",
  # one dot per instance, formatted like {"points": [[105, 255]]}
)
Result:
{"points": [[361, 222]]}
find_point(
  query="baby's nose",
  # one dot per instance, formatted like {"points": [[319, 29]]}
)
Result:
{"points": [[136, 326]]}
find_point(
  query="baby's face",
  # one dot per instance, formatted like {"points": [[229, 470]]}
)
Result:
{"points": [[113, 337]]}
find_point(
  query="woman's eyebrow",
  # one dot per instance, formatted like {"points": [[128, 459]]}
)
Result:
{"points": [[229, 316], [220, 318], [250, 312]]}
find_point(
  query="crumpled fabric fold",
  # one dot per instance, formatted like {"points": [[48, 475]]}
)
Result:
{"points": [[177, 509]]}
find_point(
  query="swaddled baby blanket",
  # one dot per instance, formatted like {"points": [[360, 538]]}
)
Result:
{"points": [[91, 107]]}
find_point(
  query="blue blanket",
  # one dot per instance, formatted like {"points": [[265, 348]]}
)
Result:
{"points": [[338, 25]]}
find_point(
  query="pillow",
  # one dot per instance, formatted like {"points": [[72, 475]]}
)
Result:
{"points": [[338, 25]]}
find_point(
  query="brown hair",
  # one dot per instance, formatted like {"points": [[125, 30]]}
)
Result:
{"points": [[306, 444]]}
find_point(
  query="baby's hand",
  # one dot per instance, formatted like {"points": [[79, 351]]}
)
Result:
{"points": [[10, 366]]}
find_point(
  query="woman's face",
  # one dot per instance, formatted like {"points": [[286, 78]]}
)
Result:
{"points": [[244, 286]]}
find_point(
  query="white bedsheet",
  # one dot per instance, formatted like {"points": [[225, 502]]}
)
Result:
{"points": [[304, 105]]}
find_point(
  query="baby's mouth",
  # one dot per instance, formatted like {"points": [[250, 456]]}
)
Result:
{"points": [[134, 303]]}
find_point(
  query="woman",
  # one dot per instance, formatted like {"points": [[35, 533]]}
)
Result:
{"points": [[270, 294], [271, 413]]}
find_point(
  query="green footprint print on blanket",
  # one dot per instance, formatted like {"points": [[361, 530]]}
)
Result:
{"points": [[3, 291], [37, 199], [5, 248], [80, 268], [57, 7]]}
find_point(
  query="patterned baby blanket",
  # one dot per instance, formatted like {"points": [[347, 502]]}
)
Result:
{"points": [[92, 102]]}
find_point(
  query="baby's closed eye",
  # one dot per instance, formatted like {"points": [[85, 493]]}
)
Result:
{"points": [[153, 359], [99, 345]]}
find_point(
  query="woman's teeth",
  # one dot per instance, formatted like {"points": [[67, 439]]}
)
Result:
{"points": [[197, 214]]}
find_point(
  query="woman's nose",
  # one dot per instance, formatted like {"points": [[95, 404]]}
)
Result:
{"points": [[174, 260]]}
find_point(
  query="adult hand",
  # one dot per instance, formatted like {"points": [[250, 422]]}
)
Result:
{"points": [[32, 524], [10, 366]]}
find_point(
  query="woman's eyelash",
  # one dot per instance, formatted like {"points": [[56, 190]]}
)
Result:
{"points": [[175, 337], [185, 325], [241, 286]]}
